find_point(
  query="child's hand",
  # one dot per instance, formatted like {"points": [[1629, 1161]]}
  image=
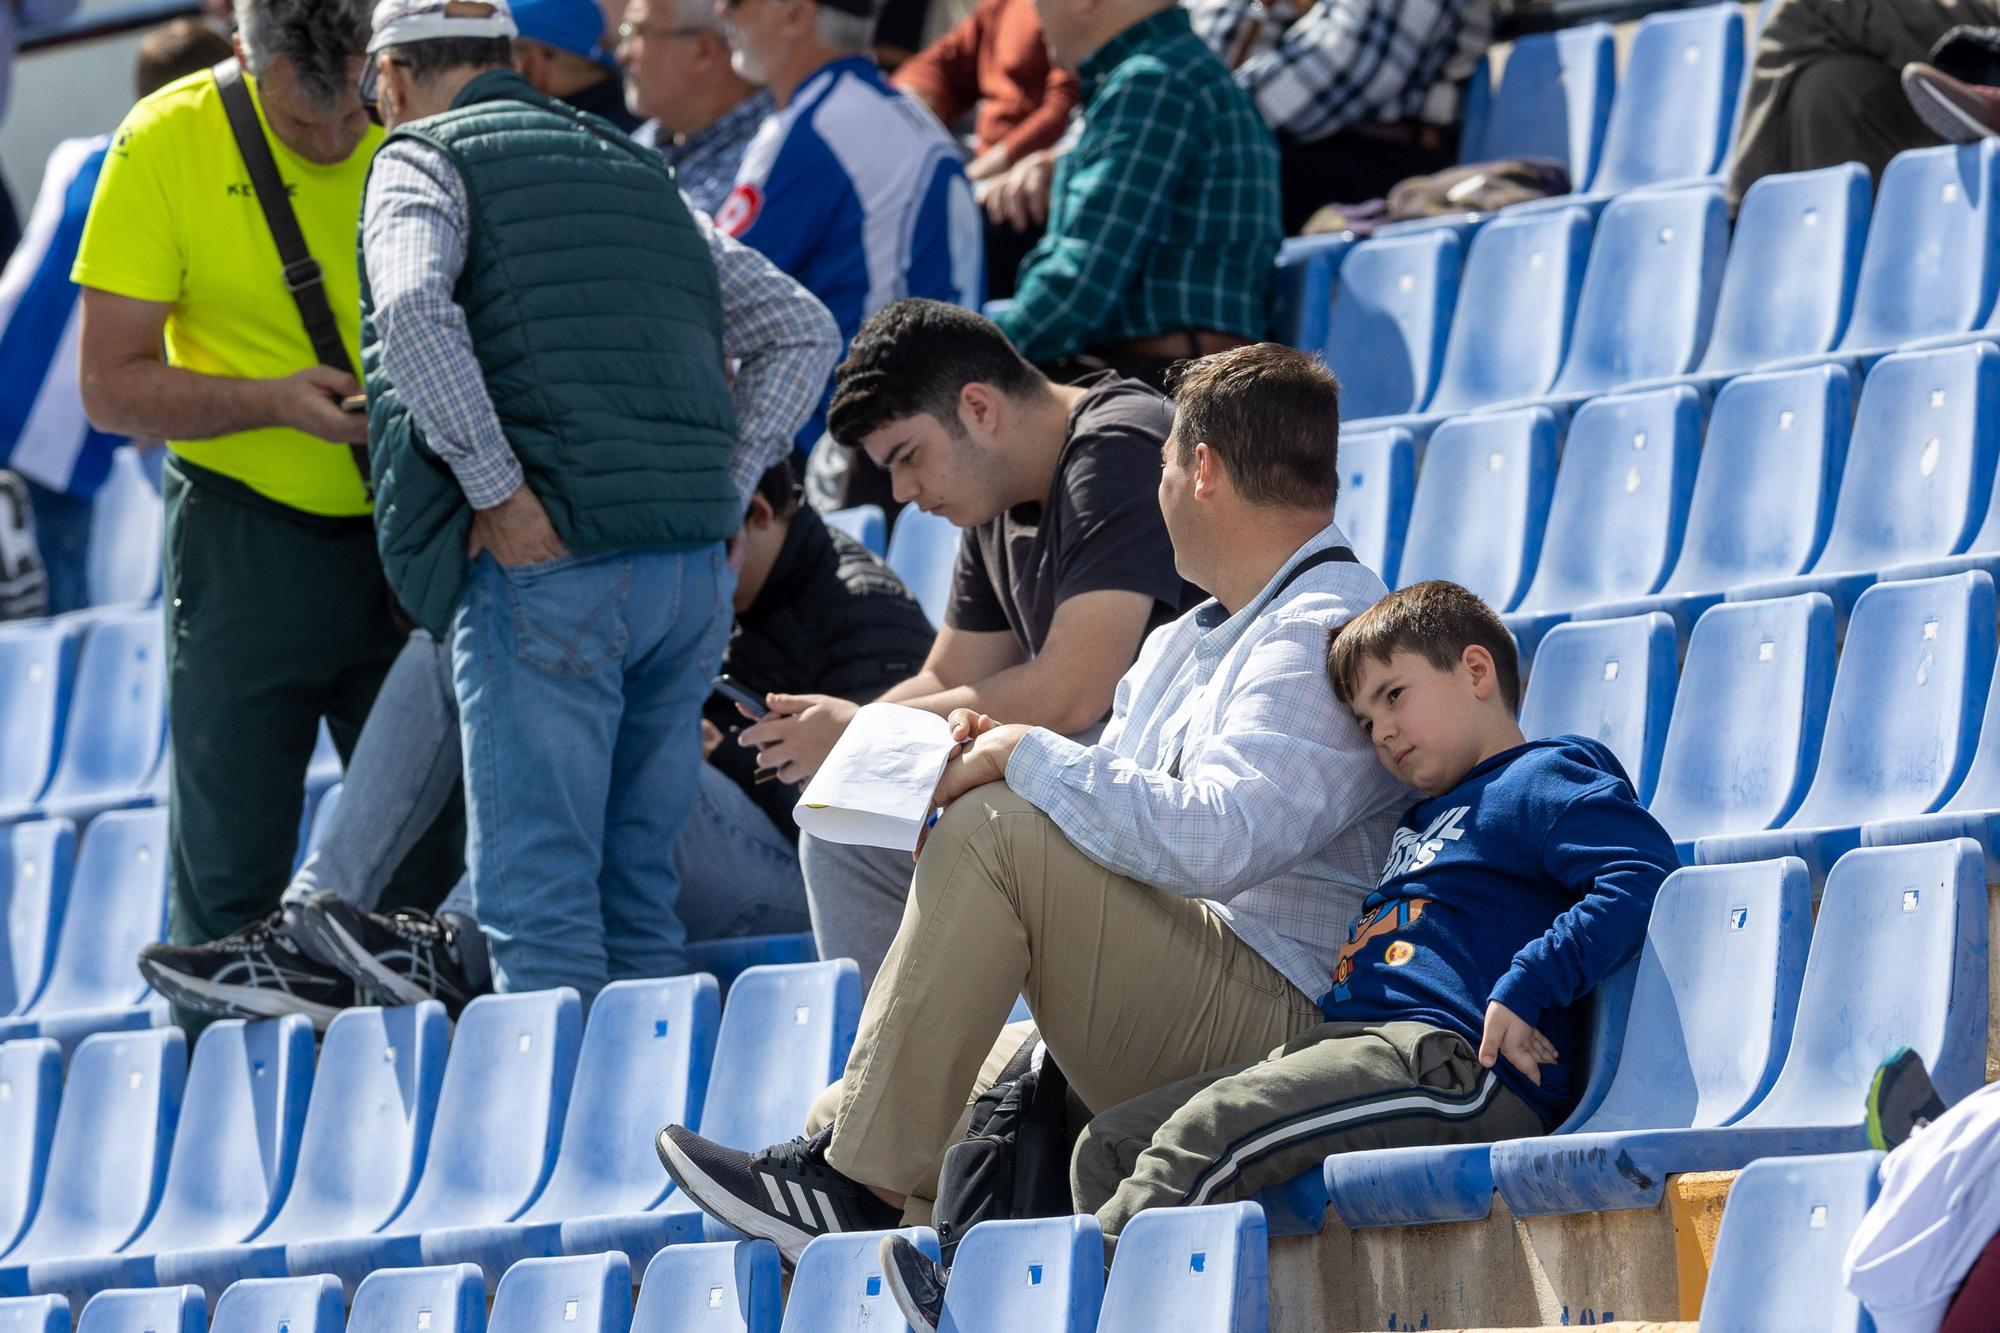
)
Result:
{"points": [[1523, 1044]]}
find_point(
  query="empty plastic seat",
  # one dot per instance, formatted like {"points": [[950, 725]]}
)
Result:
{"points": [[118, 718], [838, 1288], [36, 861], [1554, 100], [122, 566], [1041, 1273], [1973, 810], [1918, 476], [30, 1093], [865, 523], [1378, 481], [725, 960], [109, 1154], [1903, 723], [1691, 61], [1784, 1235], [232, 1158], [1619, 508], [34, 1314], [434, 1300], [1611, 680], [1898, 958], [724, 1287], [493, 1141], [1711, 1012], [162, 1310], [644, 1063], [1391, 312], [923, 550], [590, 1293], [117, 902], [1302, 284], [280, 1305], [1763, 492], [37, 668], [1745, 735], [1193, 1268], [1482, 499], [366, 1132]]}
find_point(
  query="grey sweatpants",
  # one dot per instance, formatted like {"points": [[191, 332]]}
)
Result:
{"points": [[1339, 1087]]}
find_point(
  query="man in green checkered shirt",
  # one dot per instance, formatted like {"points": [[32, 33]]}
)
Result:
{"points": [[1163, 215]]}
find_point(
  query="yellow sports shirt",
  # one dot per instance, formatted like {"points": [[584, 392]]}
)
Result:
{"points": [[175, 220]]}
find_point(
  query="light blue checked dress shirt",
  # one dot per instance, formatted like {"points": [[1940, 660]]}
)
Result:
{"points": [[1278, 815], [780, 339]]}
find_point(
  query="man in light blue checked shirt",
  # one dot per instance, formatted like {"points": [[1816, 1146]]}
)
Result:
{"points": [[1170, 899]]}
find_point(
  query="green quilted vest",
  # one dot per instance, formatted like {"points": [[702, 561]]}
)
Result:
{"points": [[596, 318]]}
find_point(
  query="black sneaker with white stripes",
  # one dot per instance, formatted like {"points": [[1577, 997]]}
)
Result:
{"points": [[261, 971], [785, 1194], [916, 1282], [401, 959]]}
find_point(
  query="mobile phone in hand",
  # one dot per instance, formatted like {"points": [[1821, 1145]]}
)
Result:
{"points": [[356, 403], [736, 694]]}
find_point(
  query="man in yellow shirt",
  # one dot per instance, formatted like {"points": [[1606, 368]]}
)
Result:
{"points": [[276, 610]]}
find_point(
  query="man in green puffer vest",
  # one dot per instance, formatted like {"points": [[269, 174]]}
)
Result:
{"points": [[553, 444]]}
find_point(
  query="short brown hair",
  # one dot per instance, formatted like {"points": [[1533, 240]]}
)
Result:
{"points": [[1271, 414], [174, 51], [1437, 621]]}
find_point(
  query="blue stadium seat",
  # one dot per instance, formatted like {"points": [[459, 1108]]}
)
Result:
{"points": [[864, 523], [1190, 1268], [923, 550], [493, 1140], [784, 1038], [590, 1293], [1611, 680], [37, 669], [34, 1314], [838, 1287], [1918, 475], [31, 1079], [1482, 499], [232, 1159], [1378, 482], [1902, 726], [161, 1310], [725, 1287], [1745, 735], [1302, 285], [118, 718], [644, 1063], [281, 1305], [117, 902], [1554, 100], [122, 566], [1042, 1273], [1692, 61], [1784, 1236], [366, 1131], [108, 1157], [725, 960], [1763, 493], [434, 1300], [37, 859], [1723, 941], [1475, 111], [1391, 312], [1898, 958], [1973, 810], [1619, 509]]}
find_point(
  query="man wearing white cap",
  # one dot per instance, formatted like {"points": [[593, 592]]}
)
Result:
{"points": [[559, 461]]}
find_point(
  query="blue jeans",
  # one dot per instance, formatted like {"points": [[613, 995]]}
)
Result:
{"points": [[580, 683]]}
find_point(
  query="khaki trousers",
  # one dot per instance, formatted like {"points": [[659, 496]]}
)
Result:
{"points": [[1132, 988]]}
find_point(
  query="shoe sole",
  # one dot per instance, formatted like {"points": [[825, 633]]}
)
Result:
{"points": [[726, 1208], [1946, 118], [343, 951], [906, 1301], [224, 1001]]}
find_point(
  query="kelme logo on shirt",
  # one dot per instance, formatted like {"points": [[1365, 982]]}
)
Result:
{"points": [[245, 190]]}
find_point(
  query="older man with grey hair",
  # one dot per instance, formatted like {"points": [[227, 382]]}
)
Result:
{"points": [[698, 111]]}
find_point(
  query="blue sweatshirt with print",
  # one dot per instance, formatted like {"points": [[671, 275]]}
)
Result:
{"points": [[1527, 883]]}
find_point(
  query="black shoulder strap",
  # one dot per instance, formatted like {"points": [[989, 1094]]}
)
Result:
{"points": [[304, 278]]}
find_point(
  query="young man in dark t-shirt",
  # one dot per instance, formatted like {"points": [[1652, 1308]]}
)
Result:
{"points": [[1063, 568]]}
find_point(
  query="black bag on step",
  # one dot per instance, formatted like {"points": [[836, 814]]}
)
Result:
{"points": [[1014, 1159]]}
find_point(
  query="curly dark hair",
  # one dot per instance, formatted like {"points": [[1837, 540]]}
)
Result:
{"points": [[914, 356]]}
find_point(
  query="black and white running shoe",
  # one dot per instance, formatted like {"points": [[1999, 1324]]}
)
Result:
{"points": [[261, 971], [916, 1281], [785, 1194], [401, 959]]}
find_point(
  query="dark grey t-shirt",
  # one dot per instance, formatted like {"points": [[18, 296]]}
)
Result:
{"points": [[1100, 528]]}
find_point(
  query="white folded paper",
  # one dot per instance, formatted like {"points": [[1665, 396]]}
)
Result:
{"points": [[875, 788]]}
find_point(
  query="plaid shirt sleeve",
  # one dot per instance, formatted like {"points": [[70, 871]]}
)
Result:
{"points": [[1110, 187], [413, 243]]}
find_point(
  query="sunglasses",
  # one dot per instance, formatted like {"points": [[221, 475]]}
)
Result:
{"points": [[370, 89]]}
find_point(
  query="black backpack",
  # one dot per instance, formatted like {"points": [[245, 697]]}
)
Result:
{"points": [[1014, 1159]]}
